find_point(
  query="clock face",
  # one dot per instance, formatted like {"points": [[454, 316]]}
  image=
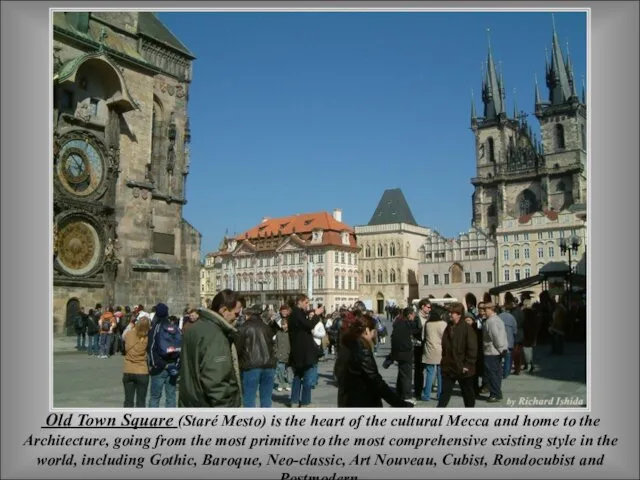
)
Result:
{"points": [[80, 167], [78, 247]]}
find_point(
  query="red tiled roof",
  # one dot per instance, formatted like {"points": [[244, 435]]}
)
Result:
{"points": [[303, 223]]}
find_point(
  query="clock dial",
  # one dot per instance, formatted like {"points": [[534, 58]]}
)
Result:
{"points": [[78, 247], [80, 167]]}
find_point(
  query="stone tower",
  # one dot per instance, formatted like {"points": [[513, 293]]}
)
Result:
{"points": [[121, 160], [516, 175], [563, 124]]}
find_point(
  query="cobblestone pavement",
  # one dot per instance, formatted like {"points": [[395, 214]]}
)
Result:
{"points": [[80, 381]]}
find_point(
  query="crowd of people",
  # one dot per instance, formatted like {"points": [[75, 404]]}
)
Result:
{"points": [[228, 355]]}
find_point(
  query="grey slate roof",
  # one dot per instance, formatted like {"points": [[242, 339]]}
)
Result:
{"points": [[392, 208], [151, 26]]}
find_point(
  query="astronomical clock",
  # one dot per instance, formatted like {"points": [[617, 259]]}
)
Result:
{"points": [[83, 210]]}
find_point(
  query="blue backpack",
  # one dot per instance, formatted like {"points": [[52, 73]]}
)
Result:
{"points": [[166, 347]]}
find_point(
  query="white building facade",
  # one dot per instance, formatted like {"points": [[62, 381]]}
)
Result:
{"points": [[457, 267], [315, 254]]}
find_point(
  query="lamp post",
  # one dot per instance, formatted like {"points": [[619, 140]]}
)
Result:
{"points": [[570, 246]]}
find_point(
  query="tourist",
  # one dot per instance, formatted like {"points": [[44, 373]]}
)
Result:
{"points": [[360, 384], [424, 310], [256, 357], [402, 351], [210, 374], [164, 348], [459, 351], [495, 346], [511, 329], [283, 350], [433, 331], [304, 352], [135, 377]]}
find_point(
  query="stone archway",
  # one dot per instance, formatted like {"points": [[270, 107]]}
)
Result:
{"points": [[380, 302], [73, 307]]}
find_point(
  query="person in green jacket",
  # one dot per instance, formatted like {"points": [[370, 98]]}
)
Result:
{"points": [[209, 374]]}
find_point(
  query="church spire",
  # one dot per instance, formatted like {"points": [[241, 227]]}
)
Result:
{"points": [[537, 92], [492, 95], [584, 93], [557, 74], [515, 105], [473, 109]]}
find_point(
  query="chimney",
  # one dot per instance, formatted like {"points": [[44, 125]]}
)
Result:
{"points": [[337, 215]]}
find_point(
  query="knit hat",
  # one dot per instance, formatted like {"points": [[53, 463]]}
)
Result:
{"points": [[141, 314], [162, 311]]}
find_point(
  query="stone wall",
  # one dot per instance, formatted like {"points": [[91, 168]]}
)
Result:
{"points": [[87, 297]]}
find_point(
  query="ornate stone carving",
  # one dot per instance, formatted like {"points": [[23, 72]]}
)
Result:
{"points": [[135, 192], [83, 112]]}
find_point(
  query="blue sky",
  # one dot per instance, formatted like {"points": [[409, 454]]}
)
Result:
{"points": [[295, 112]]}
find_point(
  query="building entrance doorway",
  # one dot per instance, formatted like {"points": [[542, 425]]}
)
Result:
{"points": [[380, 303], [73, 307]]}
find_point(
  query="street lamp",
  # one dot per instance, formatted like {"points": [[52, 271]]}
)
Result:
{"points": [[569, 246]]}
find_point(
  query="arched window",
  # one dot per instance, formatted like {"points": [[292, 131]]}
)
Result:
{"points": [[367, 277], [560, 136], [491, 211], [583, 136], [380, 250], [157, 139], [527, 203], [367, 251], [456, 273], [379, 276], [392, 276], [491, 149], [392, 250]]}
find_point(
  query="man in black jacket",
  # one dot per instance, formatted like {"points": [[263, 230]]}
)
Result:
{"points": [[257, 358], [402, 351], [304, 351]]}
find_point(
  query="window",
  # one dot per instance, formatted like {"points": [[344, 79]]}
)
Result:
{"points": [[446, 279], [539, 235], [275, 283], [550, 235], [516, 253], [540, 252], [526, 236], [425, 279], [379, 250], [506, 238], [320, 281], [336, 257], [342, 283], [392, 276], [490, 148], [506, 254], [436, 279], [367, 277], [350, 282], [478, 277], [336, 281], [517, 274], [467, 277], [506, 275], [560, 136], [392, 250], [574, 232], [552, 252], [367, 251], [379, 276], [563, 253], [342, 258], [526, 253], [93, 107], [321, 258], [527, 202], [561, 233], [489, 277], [527, 272], [516, 237]]}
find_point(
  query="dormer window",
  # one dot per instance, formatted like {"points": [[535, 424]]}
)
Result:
{"points": [[345, 238], [316, 236]]}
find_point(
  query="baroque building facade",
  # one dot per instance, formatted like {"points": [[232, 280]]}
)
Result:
{"points": [[525, 188], [389, 253], [314, 253], [120, 161]]}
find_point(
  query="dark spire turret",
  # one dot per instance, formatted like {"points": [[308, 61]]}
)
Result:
{"points": [[492, 94], [473, 110], [557, 73], [584, 93]]}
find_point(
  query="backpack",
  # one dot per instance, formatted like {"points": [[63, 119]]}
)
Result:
{"points": [[105, 325], [167, 343], [92, 325], [169, 340]]}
